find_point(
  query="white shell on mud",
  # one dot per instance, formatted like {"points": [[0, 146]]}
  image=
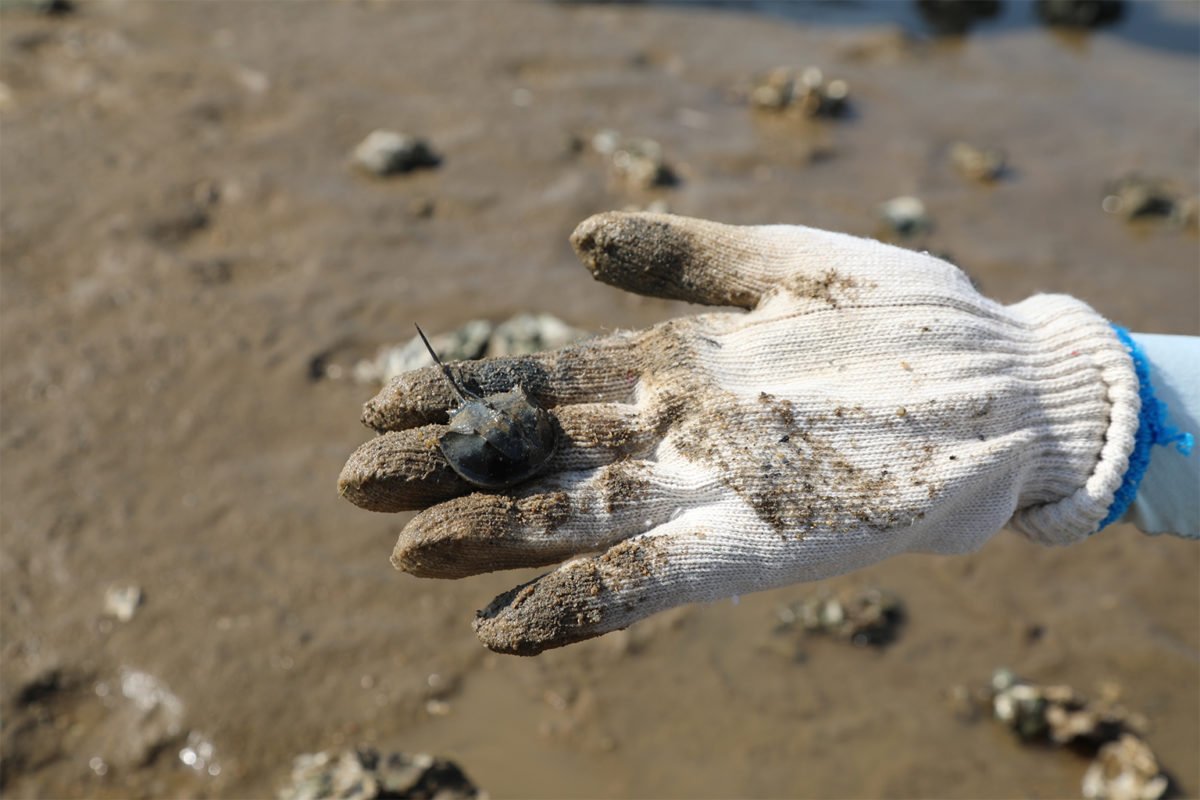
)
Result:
{"points": [[388, 153]]}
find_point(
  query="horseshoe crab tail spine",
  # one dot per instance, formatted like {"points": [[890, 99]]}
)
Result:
{"points": [[461, 391]]}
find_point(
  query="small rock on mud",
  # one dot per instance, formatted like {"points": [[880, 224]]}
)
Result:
{"points": [[1137, 197], [983, 164], [386, 153], [635, 161], [906, 216], [366, 774], [122, 602], [803, 91]]}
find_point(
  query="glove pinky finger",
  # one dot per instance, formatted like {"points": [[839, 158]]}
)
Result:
{"points": [[598, 594]]}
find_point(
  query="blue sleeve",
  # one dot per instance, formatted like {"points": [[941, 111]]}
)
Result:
{"points": [[1168, 498]]}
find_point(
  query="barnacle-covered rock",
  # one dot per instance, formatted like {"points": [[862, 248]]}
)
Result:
{"points": [[466, 342], [868, 617], [365, 774], [1124, 766], [519, 335], [530, 333], [1057, 713]]}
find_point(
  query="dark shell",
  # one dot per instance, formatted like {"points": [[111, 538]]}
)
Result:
{"points": [[495, 440], [499, 440]]}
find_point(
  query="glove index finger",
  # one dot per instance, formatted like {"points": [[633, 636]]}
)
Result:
{"points": [[593, 371], [681, 258]]}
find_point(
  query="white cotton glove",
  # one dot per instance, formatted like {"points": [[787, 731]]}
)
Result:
{"points": [[870, 403]]}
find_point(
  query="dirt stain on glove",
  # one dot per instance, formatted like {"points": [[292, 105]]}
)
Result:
{"points": [[784, 463], [830, 288]]}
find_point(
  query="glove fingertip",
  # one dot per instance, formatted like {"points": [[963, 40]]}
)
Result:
{"points": [[399, 471], [660, 255], [503, 629], [409, 400], [552, 611], [582, 599]]}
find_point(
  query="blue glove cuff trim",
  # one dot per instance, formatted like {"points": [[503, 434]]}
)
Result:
{"points": [[1152, 429]]}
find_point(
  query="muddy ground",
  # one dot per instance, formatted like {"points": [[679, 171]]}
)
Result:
{"points": [[182, 235]]}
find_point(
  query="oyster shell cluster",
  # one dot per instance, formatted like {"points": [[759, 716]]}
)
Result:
{"points": [[804, 91], [1124, 767], [871, 617], [366, 774]]}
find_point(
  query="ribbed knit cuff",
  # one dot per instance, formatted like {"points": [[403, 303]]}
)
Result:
{"points": [[1088, 406]]}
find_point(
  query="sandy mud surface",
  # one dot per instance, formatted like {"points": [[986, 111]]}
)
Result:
{"points": [[181, 235]]}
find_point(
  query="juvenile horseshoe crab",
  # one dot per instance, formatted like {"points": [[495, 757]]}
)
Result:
{"points": [[495, 440]]}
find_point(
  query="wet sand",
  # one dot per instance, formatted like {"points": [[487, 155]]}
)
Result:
{"points": [[181, 234]]}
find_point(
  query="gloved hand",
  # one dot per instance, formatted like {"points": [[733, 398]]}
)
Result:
{"points": [[870, 403]]}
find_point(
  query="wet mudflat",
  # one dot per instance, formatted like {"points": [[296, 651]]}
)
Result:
{"points": [[183, 232]]}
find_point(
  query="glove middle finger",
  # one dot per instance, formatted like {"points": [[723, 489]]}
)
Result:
{"points": [[406, 470]]}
